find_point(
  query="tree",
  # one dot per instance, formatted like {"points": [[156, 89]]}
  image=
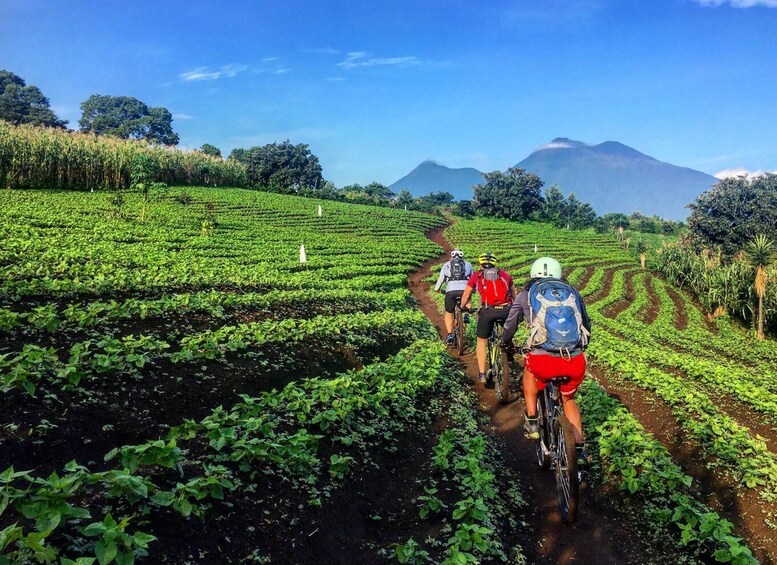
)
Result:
{"points": [[729, 214], [282, 167], [553, 206], [374, 193], [211, 150], [127, 118], [514, 194], [760, 253], [581, 214], [464, 209], [21, 103], [404, 199]]}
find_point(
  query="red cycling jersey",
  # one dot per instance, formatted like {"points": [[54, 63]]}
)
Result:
{"points": [[504, 296]]}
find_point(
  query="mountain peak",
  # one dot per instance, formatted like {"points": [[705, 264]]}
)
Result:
{"points": [[614, 177], [617, 148], [431, 176]]}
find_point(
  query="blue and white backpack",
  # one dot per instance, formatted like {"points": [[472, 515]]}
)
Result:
{"points": [[556, 322]]}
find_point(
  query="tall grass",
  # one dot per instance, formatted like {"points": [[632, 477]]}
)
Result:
{"points": [[35, 157]]}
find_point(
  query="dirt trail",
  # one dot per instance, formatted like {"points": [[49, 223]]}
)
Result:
{"points": [[599, 534]]}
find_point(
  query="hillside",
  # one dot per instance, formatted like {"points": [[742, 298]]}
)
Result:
{"points": [[431, 176], [616, 178]]}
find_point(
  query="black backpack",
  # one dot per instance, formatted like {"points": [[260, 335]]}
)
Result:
{"points": [[458, 269]]}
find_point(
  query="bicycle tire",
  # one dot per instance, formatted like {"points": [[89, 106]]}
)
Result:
{"points": [[542, 445], [567, 483], [502, 375], [461, 338]]}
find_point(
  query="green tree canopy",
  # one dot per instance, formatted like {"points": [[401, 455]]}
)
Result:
{"points": [[374, 193], [553, 206], [732, 212], [404, 198], [211, 150], [579, 215], [21, 103], [127, 118], [282, 167], [514, 194]]}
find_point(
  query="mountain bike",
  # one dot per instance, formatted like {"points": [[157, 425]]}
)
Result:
{"points": [[555, 448], [498, 369]]}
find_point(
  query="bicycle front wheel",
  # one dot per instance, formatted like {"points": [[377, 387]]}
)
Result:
{"points": [[567, 484], [542, 445], [502, 375]]}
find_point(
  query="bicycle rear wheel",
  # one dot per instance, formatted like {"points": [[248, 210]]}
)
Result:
{"points": [[567, 484], [542, 445], [461, 338]]}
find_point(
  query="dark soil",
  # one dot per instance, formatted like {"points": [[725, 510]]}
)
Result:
{"points": [[107, 411], [653, 308], [616, 308]]}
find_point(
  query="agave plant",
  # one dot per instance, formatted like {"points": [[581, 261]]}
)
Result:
{"points": [[760, 253]]}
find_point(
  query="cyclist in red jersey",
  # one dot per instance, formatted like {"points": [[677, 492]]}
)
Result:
{"points": [[497, 291]]}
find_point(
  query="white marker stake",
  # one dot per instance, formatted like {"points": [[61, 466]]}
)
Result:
{"points": [[535, 248], [303, 258], [319, 210]]}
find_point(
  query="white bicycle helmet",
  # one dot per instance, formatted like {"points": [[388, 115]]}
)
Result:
{"points": [[457, 253], [545, 267]]}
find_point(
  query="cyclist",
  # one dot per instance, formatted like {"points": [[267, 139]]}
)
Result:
{"points": [[496, 291], [542, 364], [454, 274]]}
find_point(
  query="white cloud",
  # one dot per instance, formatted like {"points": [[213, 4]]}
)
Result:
{"points": [[182, 116], [363, 59], [739, 3], [556, 145], [321, 51], [204, 73], [739, 172]]}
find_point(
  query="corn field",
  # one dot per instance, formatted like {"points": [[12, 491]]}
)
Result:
{"points": [[35, 157]]}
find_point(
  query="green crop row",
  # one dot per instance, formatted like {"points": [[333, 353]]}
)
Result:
{"points": [[279, 430]]}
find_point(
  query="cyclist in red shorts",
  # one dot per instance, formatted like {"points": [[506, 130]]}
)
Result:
{"points": [[550, 305]]}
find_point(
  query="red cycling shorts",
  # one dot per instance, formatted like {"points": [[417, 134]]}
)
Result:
{"points": [[546, 367]]}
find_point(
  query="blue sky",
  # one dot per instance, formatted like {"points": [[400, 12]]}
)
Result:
{"points": [[374, 88]]}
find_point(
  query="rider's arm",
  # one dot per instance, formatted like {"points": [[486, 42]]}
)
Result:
{"points": [[468, 290], [513, 319], [441, 278]]}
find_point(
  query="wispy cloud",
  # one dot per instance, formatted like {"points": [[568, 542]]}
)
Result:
{"points": [[356, 59], [322, 51], [182, 116], [733, 173], [205, 73], [739, 3]]}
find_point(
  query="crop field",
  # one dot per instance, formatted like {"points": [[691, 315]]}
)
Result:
{"points": [[176, 386]]}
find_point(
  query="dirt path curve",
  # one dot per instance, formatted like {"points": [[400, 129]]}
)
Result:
{"points": [[598, 536]]}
